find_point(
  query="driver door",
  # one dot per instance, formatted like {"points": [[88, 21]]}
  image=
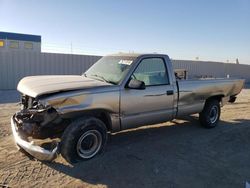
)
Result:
{"points": [[155, 103]]}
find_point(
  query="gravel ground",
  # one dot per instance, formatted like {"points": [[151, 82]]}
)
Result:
{"points": [[173, 154]]}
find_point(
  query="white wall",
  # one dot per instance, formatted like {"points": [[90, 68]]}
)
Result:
{"points": [[15, 65]]}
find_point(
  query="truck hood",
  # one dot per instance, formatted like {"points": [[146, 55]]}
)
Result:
{"points": [[38, 85]]}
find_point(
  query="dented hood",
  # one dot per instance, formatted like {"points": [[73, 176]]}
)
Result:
{"points": [[38, 85]]}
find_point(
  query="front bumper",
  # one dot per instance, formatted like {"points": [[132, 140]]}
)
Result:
{"points": [[34, 150]]}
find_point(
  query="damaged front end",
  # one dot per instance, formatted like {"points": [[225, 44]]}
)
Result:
{"points": [[37, 128]]}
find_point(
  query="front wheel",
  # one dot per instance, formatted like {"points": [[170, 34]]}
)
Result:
{"points": [[83, 139], [210, 115]]}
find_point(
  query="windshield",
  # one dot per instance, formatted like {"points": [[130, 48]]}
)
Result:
{"points": [[111, 69]]}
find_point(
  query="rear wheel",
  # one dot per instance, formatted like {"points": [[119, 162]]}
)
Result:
{"points": [[210, 115], [83, 139]]}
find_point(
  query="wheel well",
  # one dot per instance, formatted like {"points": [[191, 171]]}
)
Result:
{"points": [[102, 115], [216, 97], [105, 117]]}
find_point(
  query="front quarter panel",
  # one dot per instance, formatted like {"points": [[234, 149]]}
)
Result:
{"points": [[74, 104]]}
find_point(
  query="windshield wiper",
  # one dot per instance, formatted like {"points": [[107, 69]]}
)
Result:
{"points": [[103, 79]]}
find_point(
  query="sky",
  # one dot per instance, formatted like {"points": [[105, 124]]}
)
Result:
{"points": [[212, 30]]}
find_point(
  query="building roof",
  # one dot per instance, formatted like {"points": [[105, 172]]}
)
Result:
{"points": [[18, 36]]}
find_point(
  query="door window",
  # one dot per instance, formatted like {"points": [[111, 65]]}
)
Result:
{"points": [[152, 71]]}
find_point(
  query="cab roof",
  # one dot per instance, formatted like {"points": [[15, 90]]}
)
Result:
{"points": [[133, 54]]}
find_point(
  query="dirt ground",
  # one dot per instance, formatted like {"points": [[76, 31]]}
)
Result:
{"points": [[174, 154]]}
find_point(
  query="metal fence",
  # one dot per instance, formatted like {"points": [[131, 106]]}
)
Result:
{"points": [[214, 69], [16, 65]]}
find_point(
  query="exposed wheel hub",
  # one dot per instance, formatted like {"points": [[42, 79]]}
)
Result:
{"points": [[213, 116], [89, 144]]}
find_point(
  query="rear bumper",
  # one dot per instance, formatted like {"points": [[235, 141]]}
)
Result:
{"points": [[34, 150]]}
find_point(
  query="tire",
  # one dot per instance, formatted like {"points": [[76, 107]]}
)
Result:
{"points": [[83, 139], [210, 115]]}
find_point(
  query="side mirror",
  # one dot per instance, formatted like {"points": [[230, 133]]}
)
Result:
{"points": [[136, 84]]}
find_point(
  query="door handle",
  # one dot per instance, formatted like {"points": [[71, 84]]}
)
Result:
{"points": [[170, 92]]}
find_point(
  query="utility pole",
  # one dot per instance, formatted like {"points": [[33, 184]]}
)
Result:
{"points": [[237, 61]]}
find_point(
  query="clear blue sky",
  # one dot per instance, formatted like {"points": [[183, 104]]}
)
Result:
{"points": [[217, 30]]}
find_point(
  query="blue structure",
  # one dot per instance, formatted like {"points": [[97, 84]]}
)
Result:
{"points": [[18, 36], [19, 42]]}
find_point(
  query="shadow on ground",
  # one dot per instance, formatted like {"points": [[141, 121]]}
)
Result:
{"points": [[179, 155]]}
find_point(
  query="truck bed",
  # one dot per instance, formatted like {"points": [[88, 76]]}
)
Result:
{"points": [[193, 93]]}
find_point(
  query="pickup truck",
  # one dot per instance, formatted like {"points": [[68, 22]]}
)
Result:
{"points": [[72, 115]]}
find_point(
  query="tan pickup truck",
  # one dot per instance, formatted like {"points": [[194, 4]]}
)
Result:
{"points": [[73, 115]]}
